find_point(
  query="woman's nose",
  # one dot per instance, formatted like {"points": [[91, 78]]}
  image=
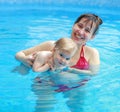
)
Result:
{"points": [[81, 32]]}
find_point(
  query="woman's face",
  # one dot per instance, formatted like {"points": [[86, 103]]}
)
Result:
{"points": [[82, 31]]}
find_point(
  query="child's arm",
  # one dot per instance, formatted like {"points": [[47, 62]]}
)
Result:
{"points": [[40, 63], [42, 68]]}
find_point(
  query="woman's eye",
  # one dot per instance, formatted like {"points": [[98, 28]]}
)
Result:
{"points": [[80, 26], [87, 30]]}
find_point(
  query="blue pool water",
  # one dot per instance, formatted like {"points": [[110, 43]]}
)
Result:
{"points": [[23, 26]]}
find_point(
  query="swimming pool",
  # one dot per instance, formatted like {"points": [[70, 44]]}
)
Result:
{"points": [[23, 26]]}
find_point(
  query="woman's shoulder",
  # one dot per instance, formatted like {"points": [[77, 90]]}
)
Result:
{"points": [[91, 50], [92, 55]]}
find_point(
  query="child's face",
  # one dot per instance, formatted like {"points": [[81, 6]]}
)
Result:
{"points": [[61, 58]]}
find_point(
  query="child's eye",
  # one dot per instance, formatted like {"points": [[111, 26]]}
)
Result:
{"points": [[61, 55], [67, 58]]}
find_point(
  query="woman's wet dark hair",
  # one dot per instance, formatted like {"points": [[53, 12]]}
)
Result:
{"points": [[91, 17]]}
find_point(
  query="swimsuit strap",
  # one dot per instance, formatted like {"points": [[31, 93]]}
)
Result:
{"points": [[82, 52]]}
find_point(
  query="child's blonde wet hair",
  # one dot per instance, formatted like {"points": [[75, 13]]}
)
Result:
{"points": [[66, 44]]}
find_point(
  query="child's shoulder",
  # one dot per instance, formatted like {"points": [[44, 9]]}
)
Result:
{"points": [[44, 53]]}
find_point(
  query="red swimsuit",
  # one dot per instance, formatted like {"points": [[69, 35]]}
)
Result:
{"points": [[82, 62]]}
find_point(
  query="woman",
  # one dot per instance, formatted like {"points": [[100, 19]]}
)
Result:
{"points": [[86, 59]]}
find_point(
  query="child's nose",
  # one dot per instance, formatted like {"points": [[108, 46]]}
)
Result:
{"points": [[63, 61]]}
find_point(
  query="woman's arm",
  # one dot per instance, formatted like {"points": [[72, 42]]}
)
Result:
{"points": [[23, 57], [93, 70]]}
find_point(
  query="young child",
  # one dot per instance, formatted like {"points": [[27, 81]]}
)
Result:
{"points": [[58, 58]]}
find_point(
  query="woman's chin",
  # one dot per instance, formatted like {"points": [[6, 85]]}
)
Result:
{"points": [[78, 41]]}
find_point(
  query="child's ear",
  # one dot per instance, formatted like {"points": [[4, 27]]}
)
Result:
{"points": [[53, 50]]}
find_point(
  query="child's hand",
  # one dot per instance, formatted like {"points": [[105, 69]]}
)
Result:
{"points": [[28, 61], [51, 66], [32, 56]]}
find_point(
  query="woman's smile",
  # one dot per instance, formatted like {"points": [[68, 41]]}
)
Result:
{"points": [[77, 37]]}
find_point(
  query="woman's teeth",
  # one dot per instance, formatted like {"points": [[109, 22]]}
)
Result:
{"points": [[79, 37]]}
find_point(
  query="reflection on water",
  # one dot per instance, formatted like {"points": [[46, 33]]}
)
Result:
{"points": [[45, 97], [47, 92]]}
